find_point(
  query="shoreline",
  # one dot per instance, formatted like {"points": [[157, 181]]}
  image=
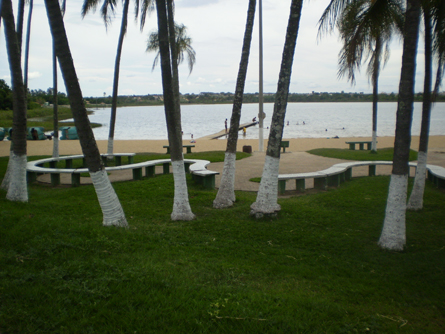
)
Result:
{"points": [[70, 147]]}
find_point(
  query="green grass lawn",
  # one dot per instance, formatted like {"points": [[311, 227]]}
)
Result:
{"points": [[315, 269], [41, 117], [384, 154]]}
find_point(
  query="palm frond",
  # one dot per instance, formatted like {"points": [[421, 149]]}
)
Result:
{"points": [[107, 11], [147, 7], [328, 19], [89, 5], [366, 29]]}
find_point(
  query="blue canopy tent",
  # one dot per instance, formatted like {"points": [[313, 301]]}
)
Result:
{"points": [[36, 133], [68, 133]]}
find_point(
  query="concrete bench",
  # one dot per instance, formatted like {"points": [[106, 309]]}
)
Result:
{"points": [[117, 158], [338, 173], [284, 144], [201, 175], [361, 145], [196, 167], [188, 147], [436, 175]]}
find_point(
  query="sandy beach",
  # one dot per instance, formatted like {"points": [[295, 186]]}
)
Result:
{"points": [[68, 147]]}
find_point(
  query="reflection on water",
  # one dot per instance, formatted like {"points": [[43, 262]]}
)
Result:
{"points": [[306, 120]]}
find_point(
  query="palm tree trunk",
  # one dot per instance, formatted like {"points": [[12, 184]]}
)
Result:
{"points": [[170, 85], [7, 177], [28, 36], [55, 106], [17, 187], [393, 236], [266, 202], [226, 192], [20, 19], [113, 213], [415, 201], [375, 92], [116, 78]]}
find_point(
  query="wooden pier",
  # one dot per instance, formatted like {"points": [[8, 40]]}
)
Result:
{"points": [[223, 133]]}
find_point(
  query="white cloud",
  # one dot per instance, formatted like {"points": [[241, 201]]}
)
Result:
{"points": [[34, 75]]}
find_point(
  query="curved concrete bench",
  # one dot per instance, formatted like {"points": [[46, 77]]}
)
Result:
{"points": [[342, 172], [194, 166]]}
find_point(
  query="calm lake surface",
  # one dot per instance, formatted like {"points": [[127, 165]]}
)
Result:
{"points": [[339, 119]]}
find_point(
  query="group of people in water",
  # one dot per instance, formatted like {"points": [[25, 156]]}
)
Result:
{"points": [[254, 120]]}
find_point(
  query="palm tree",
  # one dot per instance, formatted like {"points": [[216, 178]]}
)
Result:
{"points": [[433, 11], [15, 181], [366, 29], [393, 236], [108, 5], [113, 213], [170, 86], [266, 202], [183, 46], [226, 191]]}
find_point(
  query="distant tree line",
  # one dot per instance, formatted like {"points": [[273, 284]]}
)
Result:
{"points": [[39, 97], [36, 97], [221, 98]]}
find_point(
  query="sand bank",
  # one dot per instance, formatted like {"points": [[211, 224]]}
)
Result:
{"points": [[68, 147]]}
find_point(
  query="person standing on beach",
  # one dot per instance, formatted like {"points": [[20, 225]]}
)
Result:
{"points": [[225, 124]]}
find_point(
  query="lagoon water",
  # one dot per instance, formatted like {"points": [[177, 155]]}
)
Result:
{"points": [[321, 120]]}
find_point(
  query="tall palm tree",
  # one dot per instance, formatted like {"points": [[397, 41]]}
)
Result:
{"points": [[366, 29], [433, 15], [393, 236], [226, 191], [107, 7], [266, 201], [184, 47], [170, 86], [15, 181], [113, 213]]}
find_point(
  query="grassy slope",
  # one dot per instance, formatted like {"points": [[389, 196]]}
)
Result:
{"points": [[315, 269], [45, 116]]}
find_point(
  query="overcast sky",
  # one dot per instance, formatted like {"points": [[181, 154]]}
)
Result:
{"points": [[217, 29]]}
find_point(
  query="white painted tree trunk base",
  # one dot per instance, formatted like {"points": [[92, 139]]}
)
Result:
{"points": [[267, 197], [393, 235], [113, 214], [374, 141], [226, 192], [110, 148], [415, 201], [55, 147], [18, 188], [7, 177], [181, 205]]}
